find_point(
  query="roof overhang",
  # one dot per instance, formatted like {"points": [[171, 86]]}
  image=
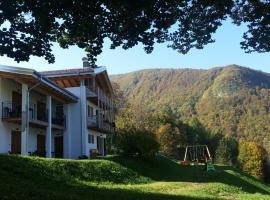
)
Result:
{"points": [[32, 77], [71, 77]]}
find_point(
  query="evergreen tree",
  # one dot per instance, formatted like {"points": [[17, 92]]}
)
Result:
{"points": [[226, 151], [197, 133]]}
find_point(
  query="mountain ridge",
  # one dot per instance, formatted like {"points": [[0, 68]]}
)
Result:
{"points": [[245, 75], [190, 68]]}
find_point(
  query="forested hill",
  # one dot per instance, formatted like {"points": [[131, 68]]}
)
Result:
{"points": [[234, 100]]}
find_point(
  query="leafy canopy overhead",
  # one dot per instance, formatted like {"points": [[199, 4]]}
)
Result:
{"points": [[30, 27]]}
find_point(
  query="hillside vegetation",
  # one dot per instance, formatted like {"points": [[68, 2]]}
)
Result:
{"points": [[121, 178], [232, 100]]}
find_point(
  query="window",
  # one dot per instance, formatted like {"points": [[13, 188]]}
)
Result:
{"points": [[91, 139]]}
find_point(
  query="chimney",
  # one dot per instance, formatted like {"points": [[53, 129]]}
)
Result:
{"points": [[85, 62]]}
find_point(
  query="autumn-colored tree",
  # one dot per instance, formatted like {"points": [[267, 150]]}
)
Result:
{"points": [[135, 125], [136, 116], [250, 159], [170, 133], [170, 138]]}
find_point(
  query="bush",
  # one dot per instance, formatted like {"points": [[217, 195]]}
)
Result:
{"points": [[250, 159], [136, 142]]}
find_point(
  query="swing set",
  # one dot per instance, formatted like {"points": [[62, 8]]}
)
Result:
{"points": [[196, 154]]}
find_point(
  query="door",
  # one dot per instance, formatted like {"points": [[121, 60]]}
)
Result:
{"points": [[16, 142], [16, 104], [16, 98], [58, 147], [41, 111], [41, 142]]}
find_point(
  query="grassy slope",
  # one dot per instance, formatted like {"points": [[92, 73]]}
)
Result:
{"points": [[118, 178]]}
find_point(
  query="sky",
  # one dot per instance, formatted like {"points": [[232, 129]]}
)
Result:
{"points": [[226, 50]]}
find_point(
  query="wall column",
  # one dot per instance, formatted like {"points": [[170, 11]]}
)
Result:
{"points": [[84, 129], [24, 124], [67, 132], [49, 127]]}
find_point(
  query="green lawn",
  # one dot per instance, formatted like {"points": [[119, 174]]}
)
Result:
{"points": [[121, 178]]}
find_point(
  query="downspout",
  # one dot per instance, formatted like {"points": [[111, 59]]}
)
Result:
{"points": [[81, 113], [27, 111]]}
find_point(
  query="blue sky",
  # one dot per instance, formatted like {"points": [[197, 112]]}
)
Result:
{"points": [[226, 50]]}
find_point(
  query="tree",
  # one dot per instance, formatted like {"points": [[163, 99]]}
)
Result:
{"points": [[170, 139], [30, 27], [136, 116], [226, 151], [171, 132], [137, 142], [251, 159], [197, 133]]}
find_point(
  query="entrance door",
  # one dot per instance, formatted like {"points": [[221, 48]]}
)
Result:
{"points": [[16, 142], [41, 140], [58, 147]]}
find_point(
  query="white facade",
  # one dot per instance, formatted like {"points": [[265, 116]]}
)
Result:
{"points": [[78, 130], [7, 87], [40, 128]]}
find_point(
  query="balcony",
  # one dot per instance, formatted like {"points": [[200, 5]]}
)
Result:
{"points": [[91, 91], [11, 110], [98, 123], [12, 113], [59, 122], [95, 94]]}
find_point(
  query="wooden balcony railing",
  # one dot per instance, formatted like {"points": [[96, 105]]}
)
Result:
{"points": [[100, 95], [97, 122]]}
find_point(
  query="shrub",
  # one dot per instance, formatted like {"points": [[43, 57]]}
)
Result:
{"points": [[251, 159], [137, 142]]}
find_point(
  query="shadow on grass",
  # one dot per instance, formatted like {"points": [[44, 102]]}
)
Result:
{"points": [[44, 189], [164, 169]]}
